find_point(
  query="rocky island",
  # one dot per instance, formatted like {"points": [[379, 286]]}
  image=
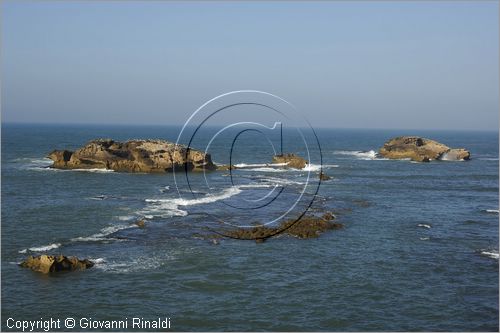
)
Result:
{"points": [[132, 156], [52, 264], [421, 150]]}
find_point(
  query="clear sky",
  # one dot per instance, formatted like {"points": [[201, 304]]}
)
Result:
{"points": [[359, 64]]}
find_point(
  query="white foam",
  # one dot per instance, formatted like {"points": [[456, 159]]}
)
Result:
{"points": [[267, 169], [424, 226], [102, 235], [93, 170], [245, 165], [488, 158], [255, 186], [424, 238], [495, 211], [43, 248], [490, 253], [362, 155], [97, 261], [170, 207], [280, 181], [126, 217], [138, 264]]}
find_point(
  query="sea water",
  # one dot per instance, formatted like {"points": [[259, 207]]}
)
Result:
{"points": [[419, 250]]}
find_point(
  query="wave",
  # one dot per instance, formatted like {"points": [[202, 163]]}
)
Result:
{"points": [[170, 207], [136, 264], [245, 165], [126, 217], [493, 211], [255, 186], [91, 170], [48, 168], [43, 248], [490, 254], [362, 155], [104, 233], [424, 226], [267, 169], [308, 167]]}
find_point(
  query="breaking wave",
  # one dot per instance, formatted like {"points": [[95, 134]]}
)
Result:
{"points": [[103, 234], [490, 254], [43, 248], [362, 155], [170, 207]]}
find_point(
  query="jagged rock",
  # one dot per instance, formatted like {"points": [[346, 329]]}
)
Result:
{"points": [[225, 167], [420, 150], [51, 264], [324, 176], [132, 156], [306, 227], [292, 160]]}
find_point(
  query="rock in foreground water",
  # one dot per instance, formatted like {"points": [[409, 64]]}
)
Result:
{"points": [[51, 264], [132, 156], [305, 227], [421, 150]]}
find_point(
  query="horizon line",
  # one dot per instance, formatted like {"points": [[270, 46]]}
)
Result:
{"points": [[215, 125]]}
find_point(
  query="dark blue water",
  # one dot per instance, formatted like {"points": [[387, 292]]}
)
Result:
{"points": [[419, 250]]}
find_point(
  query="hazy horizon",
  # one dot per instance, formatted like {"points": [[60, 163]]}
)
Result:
{"points": [[380, 65]]}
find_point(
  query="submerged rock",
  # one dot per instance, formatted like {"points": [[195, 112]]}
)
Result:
{"points": [[306, 227], [421, 150], [51, 264], [132, 156], [140, 223], [291, 160], [324, 176]]}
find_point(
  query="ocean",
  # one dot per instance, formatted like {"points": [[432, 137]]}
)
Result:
{"points": [[418, 251]]}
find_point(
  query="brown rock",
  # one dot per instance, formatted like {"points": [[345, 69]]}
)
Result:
{"points": [[306, 227], [51, 264], [328, 216], [225, 167], [292, 160], [132, 156], [324, 176], [420, 150], [140, 223]]}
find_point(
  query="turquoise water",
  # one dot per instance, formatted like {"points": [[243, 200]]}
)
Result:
{"points": [[386, 270]]}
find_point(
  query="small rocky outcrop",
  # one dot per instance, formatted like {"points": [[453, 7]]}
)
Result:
{"points": [[421, 150], [132, 156], [292, 160], [140, 223], [225, 167], [306, 227], [324, 176], [52, 264]]}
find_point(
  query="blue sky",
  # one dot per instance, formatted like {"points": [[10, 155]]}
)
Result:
{"points": [[343, 64]]}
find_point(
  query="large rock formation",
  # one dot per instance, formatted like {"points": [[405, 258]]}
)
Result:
{"points": [[291, 160], [421, 150], [132, 156], [51, 264]]}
